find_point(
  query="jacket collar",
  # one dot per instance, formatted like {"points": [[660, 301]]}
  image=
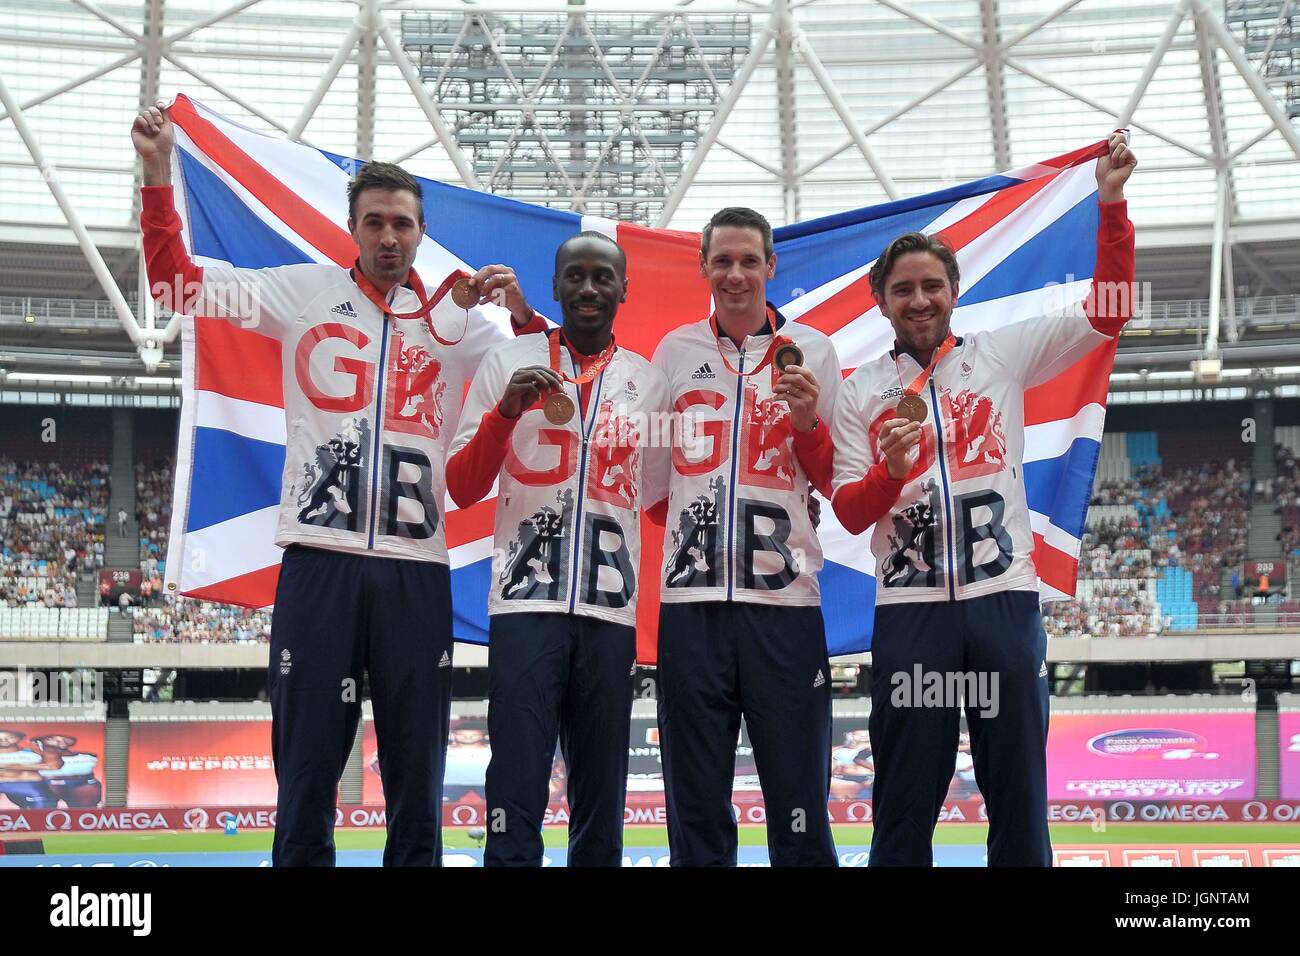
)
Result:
{"points": [[772, 311], [894, 353]]}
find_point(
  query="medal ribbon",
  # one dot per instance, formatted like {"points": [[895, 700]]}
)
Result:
{"points": [[427, 304], [595, 368], [776, 343], [918, 383]]}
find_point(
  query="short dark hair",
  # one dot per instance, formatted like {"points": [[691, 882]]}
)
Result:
{"points": [[592, 234], [738, 216], [383, 176], [937, 246]]}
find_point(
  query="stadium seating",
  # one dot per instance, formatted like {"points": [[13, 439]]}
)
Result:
{"points": [[51, 527], [182, 620], [53, 624], [1174, 592], [1141, 448]]}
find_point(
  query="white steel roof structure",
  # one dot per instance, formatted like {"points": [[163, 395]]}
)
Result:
{"points": [[838, 104]]}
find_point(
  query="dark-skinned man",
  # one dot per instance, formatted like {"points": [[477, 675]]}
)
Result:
{"points": [[576, 431], [929, 444]]}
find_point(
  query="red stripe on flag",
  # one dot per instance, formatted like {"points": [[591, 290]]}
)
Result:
{"points": [[1004, 202], [856, 299], [471, 524], [664, 286], [237, 363], [851, 302], [647, 596], [327, 236], [1084, 383], [1080, 155], [254, 589], [1055, 567]]}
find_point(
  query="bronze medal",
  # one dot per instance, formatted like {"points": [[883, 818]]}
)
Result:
{"points": [[464, 294], [787, 355], [558, 408], [912, 407]]}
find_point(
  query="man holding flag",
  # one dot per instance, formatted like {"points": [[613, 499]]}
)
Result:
{"points": [[929, 446], [370, 389], [575, 429], [740, 627]]}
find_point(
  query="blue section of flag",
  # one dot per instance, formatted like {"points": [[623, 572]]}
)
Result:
{"points": [[469, 590], [233, 476], [931, 202], [1049, 257], [1058, 487], [807, 260], [482, 229], [852, 611], [222, 227]]}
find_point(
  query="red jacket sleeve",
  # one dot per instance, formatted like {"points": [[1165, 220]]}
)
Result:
{"points": [[535, 323], [471, 471], [1114, 282], [816, 453], [169, 266], [864, 502]]}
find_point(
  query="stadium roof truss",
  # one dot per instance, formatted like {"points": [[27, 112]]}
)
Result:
{"points": [[834, 104]]}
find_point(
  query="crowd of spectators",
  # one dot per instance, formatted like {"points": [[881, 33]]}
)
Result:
{"points": [[153, 514], [163, 617], [1195, 518], [51, 529], [1131, 614], [183, 620]]}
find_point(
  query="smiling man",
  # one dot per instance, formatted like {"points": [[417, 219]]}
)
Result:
{"points": [[740, 625], [571, 426], [929, 443], [372, 374]]}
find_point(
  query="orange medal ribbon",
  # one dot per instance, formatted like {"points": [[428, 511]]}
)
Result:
{"points": [[427, 304], [595, 368], [776, 343], [912, 406], [918, 383]]}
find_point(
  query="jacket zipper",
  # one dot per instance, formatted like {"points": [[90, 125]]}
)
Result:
{"points": [[735, 466], [587, 423], [941, 453], [379, 420]]}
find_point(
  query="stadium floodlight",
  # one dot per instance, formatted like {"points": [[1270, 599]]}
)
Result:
{"points": [[599, 112], [151, 354], [1207, 371]]}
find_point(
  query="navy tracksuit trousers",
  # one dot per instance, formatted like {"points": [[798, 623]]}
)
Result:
{"points": [[559, 675], [717, 661], [335, 615], [998, 641]]}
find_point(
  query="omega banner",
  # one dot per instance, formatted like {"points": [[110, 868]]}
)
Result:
{"points": [[468, 813]]}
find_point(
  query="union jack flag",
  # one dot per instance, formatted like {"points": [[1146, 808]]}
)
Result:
{"points": [[1025, 241]]}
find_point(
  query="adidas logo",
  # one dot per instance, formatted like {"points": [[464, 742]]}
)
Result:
{"points": [[820, 679], [703, 372], [445, 661], [889, 393], [1042, 671], [345, 308]]}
